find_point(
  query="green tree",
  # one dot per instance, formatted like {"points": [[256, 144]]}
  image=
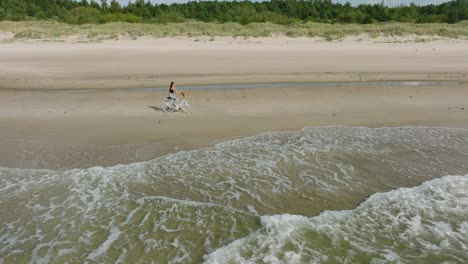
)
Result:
{"points": [[14, 10], [83, 15], [244, 12], [2, 13], [115, 7], [104, 6], [367, 20], [453, 16], [95, 5]]}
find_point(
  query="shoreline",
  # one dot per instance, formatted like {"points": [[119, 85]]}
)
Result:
{"points": [[62, 130], [271, 85]]}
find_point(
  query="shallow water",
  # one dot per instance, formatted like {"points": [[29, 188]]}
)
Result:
{"points": [[268, 85], [424, 224], [252, 200]]}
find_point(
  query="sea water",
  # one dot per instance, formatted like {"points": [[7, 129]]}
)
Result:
{"points": [[266, 85], [319, 195]]}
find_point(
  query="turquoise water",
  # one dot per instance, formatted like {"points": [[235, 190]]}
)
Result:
{"points": [[324, 195]]}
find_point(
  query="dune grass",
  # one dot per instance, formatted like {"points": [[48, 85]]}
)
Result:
{"points": [[47, 30]]}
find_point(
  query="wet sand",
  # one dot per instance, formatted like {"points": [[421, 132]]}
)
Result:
{"points": [[43, 129]]}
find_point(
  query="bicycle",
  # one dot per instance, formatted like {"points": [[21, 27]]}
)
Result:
{"points": [[170, 105]]}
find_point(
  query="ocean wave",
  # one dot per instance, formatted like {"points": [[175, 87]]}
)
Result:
{"points": [[184, 205], [424, 224]]}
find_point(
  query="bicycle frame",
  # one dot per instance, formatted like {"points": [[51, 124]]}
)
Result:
{"points": [[171, 106]]}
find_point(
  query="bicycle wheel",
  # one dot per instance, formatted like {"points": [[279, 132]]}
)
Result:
{"points": [[167, 107], [187, 107]]}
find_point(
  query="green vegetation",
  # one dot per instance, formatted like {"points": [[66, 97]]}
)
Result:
{"points": [[275, 11], [52, 19], [51, 30]]}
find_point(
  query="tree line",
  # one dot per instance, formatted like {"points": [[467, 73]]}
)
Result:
{"points": [[243, 12]]}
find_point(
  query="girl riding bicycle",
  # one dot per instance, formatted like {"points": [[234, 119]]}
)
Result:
{"points": [[173, 93]]}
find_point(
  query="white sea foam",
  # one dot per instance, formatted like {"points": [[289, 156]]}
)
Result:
{"points": [[186, 204], [423, 224], [101, 250]]}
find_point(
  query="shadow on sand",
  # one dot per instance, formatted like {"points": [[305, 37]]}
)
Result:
{"points": [[156, 108]]}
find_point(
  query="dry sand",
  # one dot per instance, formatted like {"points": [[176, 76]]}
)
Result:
{"points": [[44, 126], [149, 63]]}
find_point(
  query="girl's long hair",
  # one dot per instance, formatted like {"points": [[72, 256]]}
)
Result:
{"points": [[172, 85]]}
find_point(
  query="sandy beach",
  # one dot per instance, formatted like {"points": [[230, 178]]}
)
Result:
{"points": [[156, 62], [47, 120], [373, 168]]}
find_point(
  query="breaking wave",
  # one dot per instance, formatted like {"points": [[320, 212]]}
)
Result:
{"points": [[259, 197]]}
